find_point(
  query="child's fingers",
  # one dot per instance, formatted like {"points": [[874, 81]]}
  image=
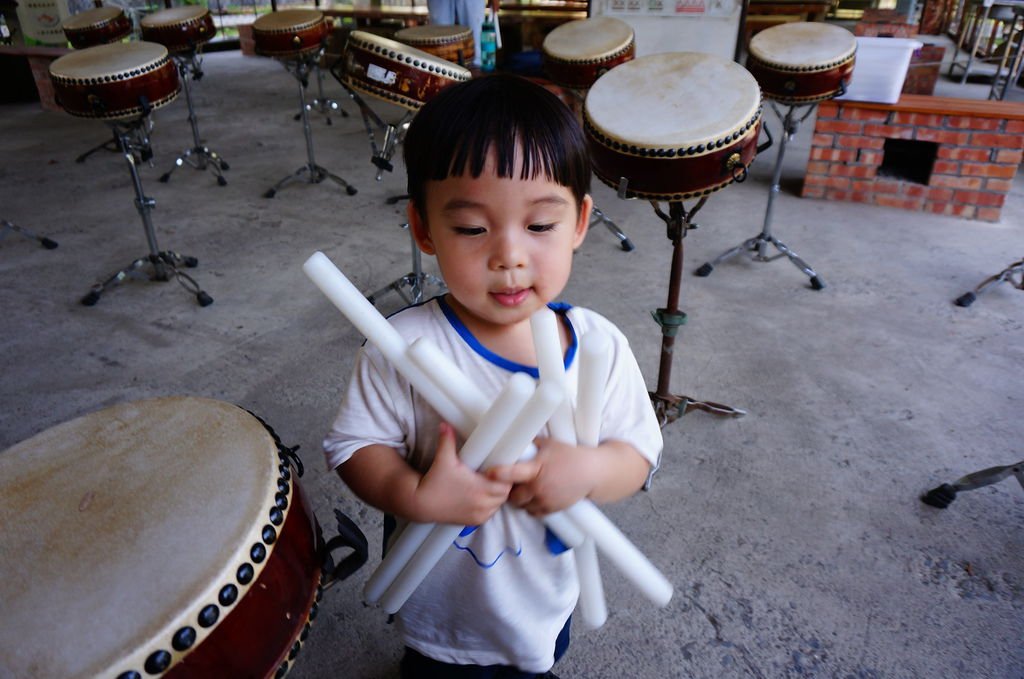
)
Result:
{"points": [[514, 473]]}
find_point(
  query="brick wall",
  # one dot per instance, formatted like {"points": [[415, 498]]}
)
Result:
{"points": [[978, 154]]}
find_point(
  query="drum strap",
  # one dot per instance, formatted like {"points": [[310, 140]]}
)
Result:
{"points": [[349, 536]]}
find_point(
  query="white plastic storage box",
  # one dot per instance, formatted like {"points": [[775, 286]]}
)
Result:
{"points": [[880, 69]]}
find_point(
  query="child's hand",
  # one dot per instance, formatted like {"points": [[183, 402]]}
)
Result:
{"points": [[450, 492], [555, 479]]}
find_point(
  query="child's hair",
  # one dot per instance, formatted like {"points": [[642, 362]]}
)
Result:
{"points": [[454, 132]]}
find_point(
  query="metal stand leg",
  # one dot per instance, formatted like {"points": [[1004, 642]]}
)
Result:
{"points": [[310, 172], [598, 217], [1006, 275], [321, 103], [164, 263], [414, 281], [942, 496], [200, 157], [6, 226], [758, 245], [109, 145], [667, 406]]}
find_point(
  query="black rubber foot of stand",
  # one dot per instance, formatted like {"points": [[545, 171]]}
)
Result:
{"points": [[627, 245], [269, 193], [966, 299], [48, 244], [222, 181], [224, 166], [329, 122], [704, 270], [190, 262], [91, 298], [817, 283], [940, 497], [351, 190], [203, 298], [164, 178]]}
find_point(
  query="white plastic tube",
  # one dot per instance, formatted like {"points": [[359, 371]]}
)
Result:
{"points": [[513, 438], [547, 343], [493, 425]]}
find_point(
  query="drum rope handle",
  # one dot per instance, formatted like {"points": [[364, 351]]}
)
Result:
{"points": [[349, 535]]}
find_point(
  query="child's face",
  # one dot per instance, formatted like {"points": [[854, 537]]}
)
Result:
{"points": [[504, 246]]}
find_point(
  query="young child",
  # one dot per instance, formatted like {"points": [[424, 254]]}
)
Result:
{"points": [[498, 178]]}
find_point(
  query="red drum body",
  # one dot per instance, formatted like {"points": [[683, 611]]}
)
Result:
{"points": [[577, 53], [179, 544], [395, 72], [695, 135], [108, 82], [451, 43], [802, 62], [180, 29], [290, 33], [97, 26]]}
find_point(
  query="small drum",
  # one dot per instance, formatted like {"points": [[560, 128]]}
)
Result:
{"points": [[162, 537], [179, 29], [96, 26], [802, 62], [290, 33], [117, 81], [395, 72], [579, 52], [674, 125], [451, 43]]}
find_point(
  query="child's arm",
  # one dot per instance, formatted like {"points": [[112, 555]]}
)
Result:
{"points": [[562, 474], [449, 492]]}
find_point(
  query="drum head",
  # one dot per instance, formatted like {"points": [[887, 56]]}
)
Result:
{"points": [[588, 39], [91, 17], [173, 16], [433, 34], [116, 59], [803, 45], [673, 101], [120, 525], [286, 20]]}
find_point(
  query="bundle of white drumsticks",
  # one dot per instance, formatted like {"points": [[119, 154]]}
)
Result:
{"points": [[499, 434]]}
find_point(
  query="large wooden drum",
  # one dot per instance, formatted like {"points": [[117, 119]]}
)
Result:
{"points": [[179, 29], [579, 52], [451, 43], [161, 537], [290, 33], [116, 81], [396, 72], [97, 26], [802, 62], [674, 126]]}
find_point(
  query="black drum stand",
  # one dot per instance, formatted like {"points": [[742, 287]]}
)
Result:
{"points": [[1004, 276], [321, 103], [109, 145], [132, 137], [415, 281], [942, 496], [312, 173], [6, 226], [199, 156], [758, 245], [668, 406]]}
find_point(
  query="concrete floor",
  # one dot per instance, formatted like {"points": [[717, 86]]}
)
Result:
{"points": [[794, 535]]}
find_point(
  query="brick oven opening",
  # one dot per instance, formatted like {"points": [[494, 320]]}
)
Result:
{"points": [[908, 159]]}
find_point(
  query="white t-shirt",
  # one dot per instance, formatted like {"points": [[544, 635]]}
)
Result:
{"points": [[499, 595]]}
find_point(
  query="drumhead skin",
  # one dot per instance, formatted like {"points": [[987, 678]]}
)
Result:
{"points": [[91, 18], [579, 52], [675, 124], [106, 81], [289, 33], [433, 34], [802, 62], [124, 527], [97, 26], [396, 72], [179, 28], [173, 16]]}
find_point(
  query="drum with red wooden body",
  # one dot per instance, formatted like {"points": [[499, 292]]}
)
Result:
{"points": [[674, 125], [116, 81], [161, 537], [290, 33], [96, 26], [579, 52], [179, 29], [396, 72], [451, 43], [802, 62]]}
